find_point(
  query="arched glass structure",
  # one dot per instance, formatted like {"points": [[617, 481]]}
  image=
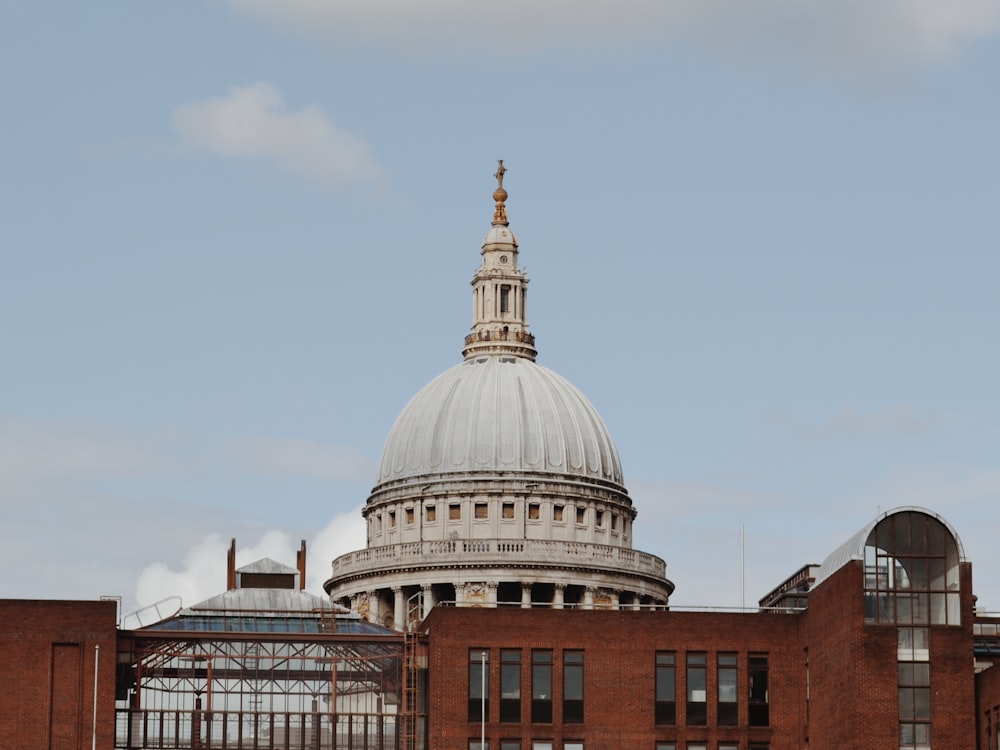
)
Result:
{"points": [[911, 571]]}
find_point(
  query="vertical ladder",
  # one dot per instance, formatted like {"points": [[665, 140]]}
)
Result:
{"points": [[410, 676]]}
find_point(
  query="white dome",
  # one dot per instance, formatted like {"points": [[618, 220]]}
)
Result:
{"points": [[497, 413], [500, 234]]}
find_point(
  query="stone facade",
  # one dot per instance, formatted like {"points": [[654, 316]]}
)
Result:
{"points": [[499, 483]]}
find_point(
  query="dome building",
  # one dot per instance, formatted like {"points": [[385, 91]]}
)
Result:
{"points": [[499, 484]]}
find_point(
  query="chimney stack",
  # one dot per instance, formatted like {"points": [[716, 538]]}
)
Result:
{"points": [[300, 563], [231, 566]]}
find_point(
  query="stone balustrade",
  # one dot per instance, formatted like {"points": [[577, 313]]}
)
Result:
{"points": [[538, 553]]}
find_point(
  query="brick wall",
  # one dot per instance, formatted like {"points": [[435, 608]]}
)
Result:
{"points": [[619, 674], [47, 653], [853, 671], [988, 708], [833, 678]]}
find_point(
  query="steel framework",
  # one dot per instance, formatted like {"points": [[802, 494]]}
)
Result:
{"points": [[258, 691]]}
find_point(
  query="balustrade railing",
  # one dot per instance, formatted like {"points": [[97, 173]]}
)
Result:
{"points": [[498, 551]]}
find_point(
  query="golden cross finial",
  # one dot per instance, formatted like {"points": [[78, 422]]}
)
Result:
{"points": [[500, 195], [501, 171]]}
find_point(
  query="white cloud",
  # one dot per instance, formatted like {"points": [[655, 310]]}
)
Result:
{"points": [[203, 569], [847, 34], [299, 457], [251, 121], [345, 533], [202, 572]]}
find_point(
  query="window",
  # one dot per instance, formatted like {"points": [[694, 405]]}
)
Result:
{"points": [[533, 511], [557, 512], [573, 745], [759, 713], [430, 513], [478, 744], [911, 572], [541, 745], [505, 298], [508, 510], [727, 709], [697, 710], [600, 519], [614, 522], [666, 687], [481, 510], [728, 746], [454, 512], [572, 687], [541, 687], [696, 746], [409, 516], [912, 644], [666, 746], [510, 744], [479, 684], [510, 686], [914, 735], [392, 519], [914, 690], [581, 515]]}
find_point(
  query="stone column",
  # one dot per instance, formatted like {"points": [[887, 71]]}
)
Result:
{"points": [[427, 592], [491, 594], [398, 609], [559, 597], [459, 594], [374, 610], [588, 597], [616, 598], [525, 596]]}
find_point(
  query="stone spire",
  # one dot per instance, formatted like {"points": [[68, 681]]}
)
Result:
{"points": [[500, 291]]}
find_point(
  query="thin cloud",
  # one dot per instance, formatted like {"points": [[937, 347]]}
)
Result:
{"points": [[299, 457], [859, 35], [899, 418], [51, 450], [252, 122], [80, 514], [693, 500], [975, 492]]}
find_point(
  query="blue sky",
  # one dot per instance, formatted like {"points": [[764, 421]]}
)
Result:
{"points": [[236, 236]]}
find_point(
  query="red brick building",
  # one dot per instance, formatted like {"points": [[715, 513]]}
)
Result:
{"points": [[878, 648], [57, 661], [880, 658]]}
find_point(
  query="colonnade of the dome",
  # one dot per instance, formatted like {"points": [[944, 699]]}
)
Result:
{"points": [[401, 606]]}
